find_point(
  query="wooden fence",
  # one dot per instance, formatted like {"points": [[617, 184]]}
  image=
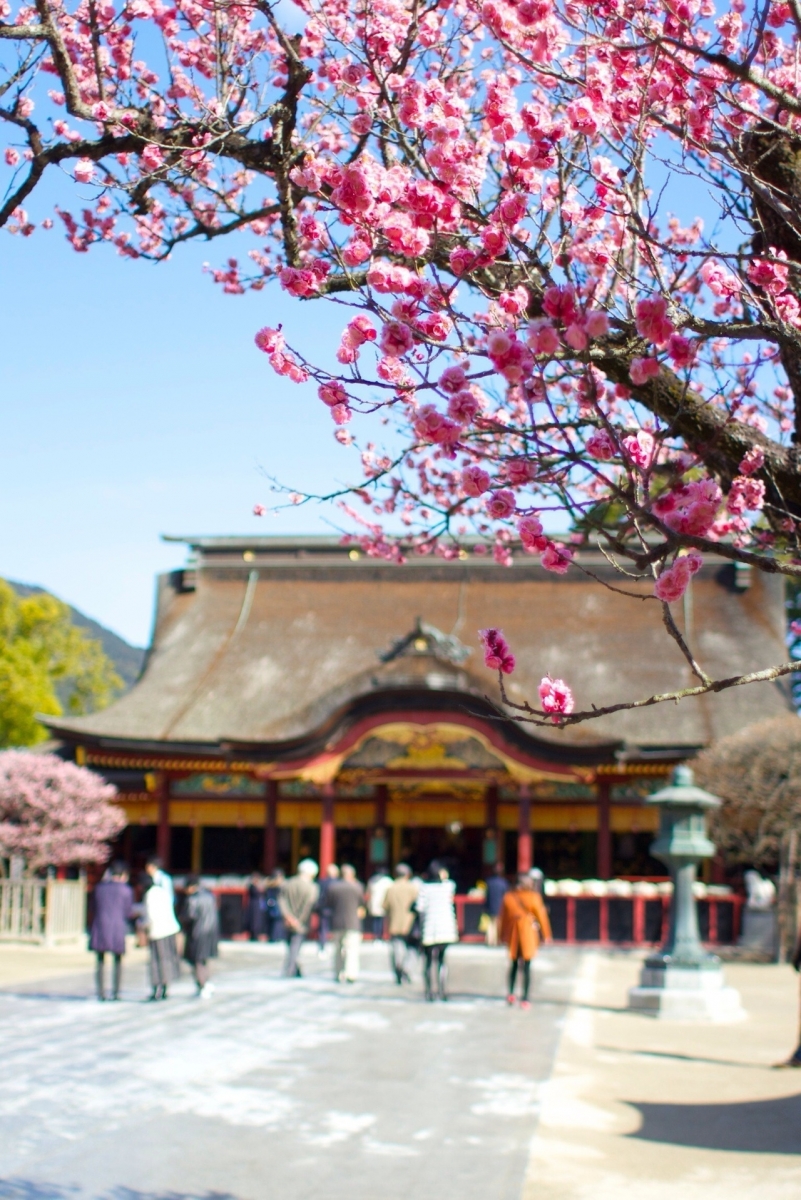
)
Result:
{"points": [[43, 911]]}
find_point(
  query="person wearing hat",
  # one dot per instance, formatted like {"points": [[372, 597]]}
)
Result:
{"points": [[297, 901]]}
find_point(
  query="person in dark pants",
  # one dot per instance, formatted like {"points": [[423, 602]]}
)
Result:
{"points": [[202, 929], [497, 887], [272, 894], [524, 925], [257, 908], [436, 907], [113, 901], [331, 875]]}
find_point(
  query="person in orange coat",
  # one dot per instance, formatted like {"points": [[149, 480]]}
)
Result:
{"points": [[524, 924]]}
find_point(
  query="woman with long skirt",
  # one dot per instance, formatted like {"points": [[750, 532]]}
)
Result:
{"points": [[524, 924], [439, 930], [161, 930]]}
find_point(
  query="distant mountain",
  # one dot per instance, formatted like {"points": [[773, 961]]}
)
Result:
{"points": [[127, 659]]}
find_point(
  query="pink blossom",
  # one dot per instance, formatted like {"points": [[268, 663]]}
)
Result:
{"points": [[643, 369], [389, 277], [357, 251], [560, 303], [259, 510], [557, 558], [353, 192], [494, 241], [640, 449], [531, 535], [601, 446], [462, 260], [652, 320], [433, 426], [520, 471], [463, 407], [771, 277], [11, 156], [719, 281], [271, 341], [691, 509], [672, 582], [542, 337], [341, 414], [396, 339], [753, 461], [745, 493], [556, 698], [332, 393], [596, 323], [682, 351], [582, 116], [452, 379], [501, 504], [152, 157], [497, 655], [84, 170], [475, 480], [576, 337]]}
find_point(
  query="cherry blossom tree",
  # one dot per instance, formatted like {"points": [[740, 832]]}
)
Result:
{"points": [[53, 812], [565, 236]]}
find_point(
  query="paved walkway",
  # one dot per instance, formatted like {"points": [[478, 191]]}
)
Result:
{"points": [[668, 1110], [303, 1089], [312, 1091]]}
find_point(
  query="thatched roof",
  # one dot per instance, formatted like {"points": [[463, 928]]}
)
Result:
{"points": [[264, 640]]}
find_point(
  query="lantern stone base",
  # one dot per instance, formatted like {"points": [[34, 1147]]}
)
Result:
{"points": [[686, 994]]}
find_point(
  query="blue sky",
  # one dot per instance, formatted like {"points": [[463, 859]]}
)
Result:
{"points": [[134, 404]]}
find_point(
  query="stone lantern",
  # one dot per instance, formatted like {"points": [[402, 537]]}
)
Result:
{"points": [[682, 979]]}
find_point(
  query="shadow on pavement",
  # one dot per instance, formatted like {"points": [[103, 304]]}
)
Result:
{"points": [[674, 1056], [27, 1189], [752, 1127]]}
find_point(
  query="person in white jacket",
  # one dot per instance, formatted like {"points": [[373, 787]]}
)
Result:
{"points": [[438, 915], [161, 930]]}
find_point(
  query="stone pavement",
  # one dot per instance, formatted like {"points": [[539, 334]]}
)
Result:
{"points": [[273, 1088], [308, 1090], [670, 1110]]}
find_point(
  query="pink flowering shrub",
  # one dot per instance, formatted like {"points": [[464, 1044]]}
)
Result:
{"points": [[53, 812]]}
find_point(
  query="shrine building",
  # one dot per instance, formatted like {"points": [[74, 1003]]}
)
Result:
{"points": [[301, 698]]}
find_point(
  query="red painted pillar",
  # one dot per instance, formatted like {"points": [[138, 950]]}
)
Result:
{"points": [[604, 863], [270, 827], [327, 830], [524, 856], [163, 827]]}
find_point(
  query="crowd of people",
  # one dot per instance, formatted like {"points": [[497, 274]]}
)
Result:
{"points": [[418, 915]]}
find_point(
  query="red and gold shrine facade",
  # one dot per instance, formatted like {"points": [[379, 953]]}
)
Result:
{"points": [[300, 698]]}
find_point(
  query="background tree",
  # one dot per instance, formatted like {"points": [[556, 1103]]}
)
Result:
{"points": [[757, 774], [566, 238], [47, 665], [53, 812]]}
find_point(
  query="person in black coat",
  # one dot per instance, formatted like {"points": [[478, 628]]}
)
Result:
{"points": [[113, 903], [202, 929]]}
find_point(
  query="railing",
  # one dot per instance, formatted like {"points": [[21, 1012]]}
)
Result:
{"points": [[44, 911], [607, 920]]}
